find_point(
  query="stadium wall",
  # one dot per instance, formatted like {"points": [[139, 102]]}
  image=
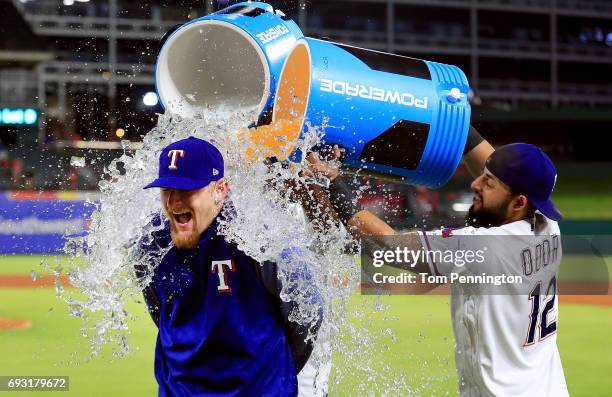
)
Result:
{"points": [[38, 222]]}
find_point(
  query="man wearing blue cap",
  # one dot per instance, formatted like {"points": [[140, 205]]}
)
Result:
{"points": [[223, 329], [505, 336]]}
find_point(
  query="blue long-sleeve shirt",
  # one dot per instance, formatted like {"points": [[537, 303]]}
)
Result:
{"points": [[223, 329]]}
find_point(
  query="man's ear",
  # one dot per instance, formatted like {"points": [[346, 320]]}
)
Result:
{"points": [[222, 186], [521, 202], [220, 191]]}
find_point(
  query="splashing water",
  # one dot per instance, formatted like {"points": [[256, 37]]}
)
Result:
{"points": [[266, 224]]}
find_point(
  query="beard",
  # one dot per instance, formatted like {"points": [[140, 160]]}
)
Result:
{"points": [[182, 241], [487, 217]]}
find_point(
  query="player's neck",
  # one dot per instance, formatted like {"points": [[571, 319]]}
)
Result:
{"points": [[518, 216]]}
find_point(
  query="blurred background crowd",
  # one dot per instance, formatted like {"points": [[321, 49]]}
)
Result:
{"points": [[76, 79]]}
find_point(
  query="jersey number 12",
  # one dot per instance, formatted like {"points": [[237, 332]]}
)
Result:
{"points": [[536, 317]]}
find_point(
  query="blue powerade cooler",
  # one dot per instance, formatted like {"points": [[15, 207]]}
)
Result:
{"points": [[402, 117]]}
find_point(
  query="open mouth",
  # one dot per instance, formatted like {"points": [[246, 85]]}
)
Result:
{"points": [[182, 218]]}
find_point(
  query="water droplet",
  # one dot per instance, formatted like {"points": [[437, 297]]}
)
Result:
{"points": [[58, 287], [77, 161]]}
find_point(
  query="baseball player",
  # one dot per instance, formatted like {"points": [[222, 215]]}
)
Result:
{"points": [[505, 344], [223, 329]]}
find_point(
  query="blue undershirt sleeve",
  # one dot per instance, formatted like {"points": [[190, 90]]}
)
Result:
{"points": [[300, 284]]}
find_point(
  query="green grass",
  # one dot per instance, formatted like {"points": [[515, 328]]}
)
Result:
{"points": [[53, 346], [422, 349], [24, 264], [584, 193], [580, 206], [585, 348]]}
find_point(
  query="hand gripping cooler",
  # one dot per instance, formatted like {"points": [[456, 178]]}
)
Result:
{"points": [[403, 117], [232, 57]]}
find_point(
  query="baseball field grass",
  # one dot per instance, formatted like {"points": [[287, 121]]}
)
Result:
{"points": [[585, 200], [422, 349], [584, 191]]}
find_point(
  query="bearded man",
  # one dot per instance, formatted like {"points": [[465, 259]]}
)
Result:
{"points": [[505, 336]]}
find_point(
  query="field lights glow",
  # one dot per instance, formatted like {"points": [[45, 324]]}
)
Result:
{"points": [[10, 116]]}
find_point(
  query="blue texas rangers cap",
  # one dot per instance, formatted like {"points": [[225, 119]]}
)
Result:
{"points": [[188, 164], [527, 170]]}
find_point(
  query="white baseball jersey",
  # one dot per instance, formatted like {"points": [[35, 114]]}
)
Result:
{"points": [[505, 344]]}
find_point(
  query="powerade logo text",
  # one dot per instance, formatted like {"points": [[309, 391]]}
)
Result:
{"points": [[373, 93], [272, 33]]}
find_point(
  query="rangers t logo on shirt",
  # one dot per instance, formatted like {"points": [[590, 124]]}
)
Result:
{"points": [[220, 270]]}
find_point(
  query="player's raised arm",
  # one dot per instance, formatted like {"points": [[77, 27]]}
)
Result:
{"points": [[477, 151], [365, 223], [343, 199], [342, 204]]}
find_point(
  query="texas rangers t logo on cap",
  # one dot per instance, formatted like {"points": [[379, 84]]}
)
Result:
{"points": [[174, 155], [203, 165]]}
